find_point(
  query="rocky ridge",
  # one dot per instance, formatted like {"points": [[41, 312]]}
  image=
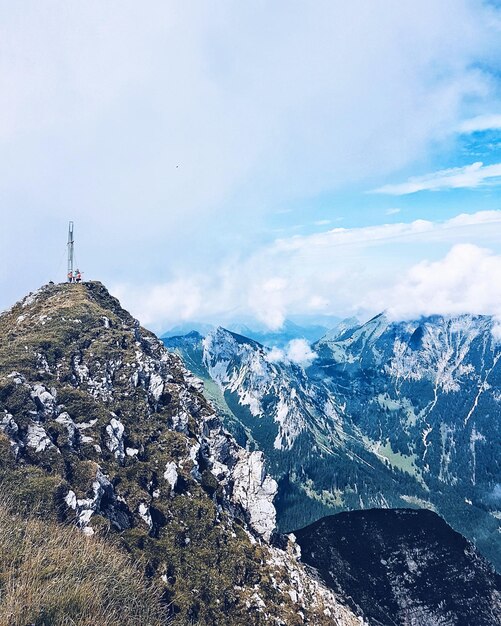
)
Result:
{"points": [[280, 391], [103, 426]]}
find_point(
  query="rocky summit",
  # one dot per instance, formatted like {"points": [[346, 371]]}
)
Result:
{"points": [[101, 426]]}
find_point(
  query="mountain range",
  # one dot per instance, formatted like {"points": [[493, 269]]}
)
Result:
{"points": [[104, 430], [388, 414], [258, 332]]}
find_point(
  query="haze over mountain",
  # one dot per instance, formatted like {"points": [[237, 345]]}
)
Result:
{"points": [[280, 338]]}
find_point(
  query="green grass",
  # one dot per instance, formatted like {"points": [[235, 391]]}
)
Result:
{"points": [[53, 575], [205, 565]]}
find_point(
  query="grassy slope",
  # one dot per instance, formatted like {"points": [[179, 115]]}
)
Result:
{"points": [[53, 574], [209, 567]]}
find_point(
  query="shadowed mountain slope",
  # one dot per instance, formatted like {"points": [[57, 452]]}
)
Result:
{"points": [[404, 568]]}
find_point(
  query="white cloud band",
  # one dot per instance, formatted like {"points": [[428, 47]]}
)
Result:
{"points": [[469, 176], [341, 272]]}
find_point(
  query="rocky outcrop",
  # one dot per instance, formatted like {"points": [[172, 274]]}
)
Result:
{"points": [[254, 491], [241, 474], [150, 369], [266, 388], [102, 426]]}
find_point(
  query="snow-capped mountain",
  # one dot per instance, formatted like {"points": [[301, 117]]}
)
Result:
{"points": [[388, 414]]}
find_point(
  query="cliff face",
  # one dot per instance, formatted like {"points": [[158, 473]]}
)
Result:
{"points": [[103, 426], [404, 568]]}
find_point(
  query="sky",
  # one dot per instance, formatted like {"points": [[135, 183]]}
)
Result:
{"points": [[263, 160]]}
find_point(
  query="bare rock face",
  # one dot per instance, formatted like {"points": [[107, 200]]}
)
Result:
{"points": [[102, 426], [242, 475], [254, 491]]}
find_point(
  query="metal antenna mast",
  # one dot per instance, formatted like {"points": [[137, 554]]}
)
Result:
{"points": [[70, 252]]}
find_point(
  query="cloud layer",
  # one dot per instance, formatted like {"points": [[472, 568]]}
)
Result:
{"points": [[170, 132], [342, 272], [481, 123], [469, 176], [297, 351], [464, 281]]}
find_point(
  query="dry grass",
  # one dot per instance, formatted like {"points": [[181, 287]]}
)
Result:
{"points": [[54, 575]]}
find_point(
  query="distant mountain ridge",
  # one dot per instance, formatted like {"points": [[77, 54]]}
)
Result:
{"points": [[280, 338], [389, 414], [431, 390]]}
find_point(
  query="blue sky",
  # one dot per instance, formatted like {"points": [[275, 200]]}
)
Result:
{"points": [[225, 160]]}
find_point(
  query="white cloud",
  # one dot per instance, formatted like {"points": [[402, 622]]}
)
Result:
{"points": [[322, 222], [297, 351], [324, 273], [464, 281], [392, 211], [481, 123], [266, 300], [177, 300], [469, 176], [481, 222], [260, 106], [275, 355]]}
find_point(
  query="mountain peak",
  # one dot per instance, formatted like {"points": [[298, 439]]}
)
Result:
{"points": [[58, 319], [59, 297], [101, 426]]}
